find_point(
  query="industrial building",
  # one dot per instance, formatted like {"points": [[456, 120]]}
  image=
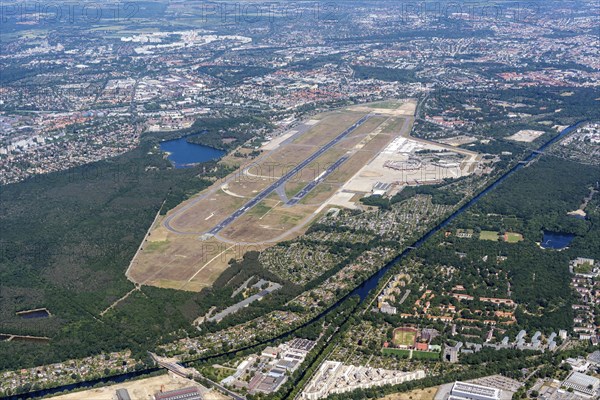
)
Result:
{"points": [[123, 394], [380, 188], [470, 391], [265, 373], [190, 393], [583, 384]]}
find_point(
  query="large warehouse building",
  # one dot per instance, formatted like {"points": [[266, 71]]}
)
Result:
{"points": [[470, 391]]}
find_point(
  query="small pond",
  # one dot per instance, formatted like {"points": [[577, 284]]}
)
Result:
{"points": [[556, 240]]}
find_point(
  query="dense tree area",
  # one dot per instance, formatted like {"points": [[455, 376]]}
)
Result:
{"points": [[234, 74], [228, 132], [440, 194], [384, 74], [67, 239], [224, 132], [543, 193]]}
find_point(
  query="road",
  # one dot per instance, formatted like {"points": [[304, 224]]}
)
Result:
{"points": [[300, 195]]}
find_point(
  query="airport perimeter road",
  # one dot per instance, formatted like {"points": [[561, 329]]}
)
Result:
{"points": [[239, 212]]}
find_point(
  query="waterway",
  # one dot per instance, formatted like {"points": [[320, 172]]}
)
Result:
{"points": [[83, 385], [362, 290], [184, 154]]}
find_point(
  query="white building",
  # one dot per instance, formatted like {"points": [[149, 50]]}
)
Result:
{"points": [[583, 384], [335, 377], [470, 391]]}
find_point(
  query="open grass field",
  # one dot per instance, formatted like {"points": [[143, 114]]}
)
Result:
{"points": [[512, 237], [388, 104], [178, 254], [425, 355], [583, 268], [489, 235], [394, 352], [404, 337]]}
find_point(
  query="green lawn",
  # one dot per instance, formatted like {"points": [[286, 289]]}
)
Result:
{"points": [[392, 352], [583, 268], [259, 210], [425, 355], [156, 246], [488, 235], [512, 237], [390, 104], [404, 338]]}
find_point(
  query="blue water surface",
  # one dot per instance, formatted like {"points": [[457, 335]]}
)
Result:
{"points": [[556, 240], [184, 154]]}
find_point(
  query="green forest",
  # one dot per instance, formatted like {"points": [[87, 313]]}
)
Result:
{"points": [[535, 199], [67, 239]]}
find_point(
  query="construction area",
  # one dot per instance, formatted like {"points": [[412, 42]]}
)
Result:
{"points": [[331, 160], [146, 388], [526, 135]]}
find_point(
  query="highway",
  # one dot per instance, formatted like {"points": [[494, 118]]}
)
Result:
{"points": [[281, 181]]}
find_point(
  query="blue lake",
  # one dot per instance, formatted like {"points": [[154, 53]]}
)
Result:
{"points": [[556, 240], [184, 154]]}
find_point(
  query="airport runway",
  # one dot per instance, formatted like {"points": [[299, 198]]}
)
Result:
{"points": [[300, 195], [272, 187], [300, 129]]}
